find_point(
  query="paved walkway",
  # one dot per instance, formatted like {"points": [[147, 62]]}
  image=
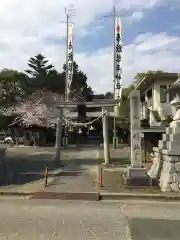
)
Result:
{"points": [[80, 175]]}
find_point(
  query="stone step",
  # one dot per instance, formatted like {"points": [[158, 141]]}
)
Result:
{"points": [[162, 144], [172, 146], [174, 137], [168, 130], [165, 137]]}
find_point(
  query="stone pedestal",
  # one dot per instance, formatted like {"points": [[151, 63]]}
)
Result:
{"points": [[135, 126], [155, 170], [170, 174], [166, 163], [137, 177]]}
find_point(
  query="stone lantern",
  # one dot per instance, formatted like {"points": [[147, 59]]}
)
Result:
{"points": [[175, 90], [166, 163]]}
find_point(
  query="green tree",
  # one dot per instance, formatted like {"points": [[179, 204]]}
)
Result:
{"points": [[99, 96], [41, 74], [39, 66], [79, 86], [109, 95], [55, 82]]}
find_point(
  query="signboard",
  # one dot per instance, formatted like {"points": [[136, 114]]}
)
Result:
{"points": [[118, 51], [70, 59], [135, 129]]}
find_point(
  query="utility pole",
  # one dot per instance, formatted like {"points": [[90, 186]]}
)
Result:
{"points": [[58, 137], [65, 142], [116, 67], [63, 111], [117, 49], [114, 72], [105, 136], [69, 69]]}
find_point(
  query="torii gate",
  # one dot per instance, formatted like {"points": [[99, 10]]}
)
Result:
{"points": [[97, 103]]}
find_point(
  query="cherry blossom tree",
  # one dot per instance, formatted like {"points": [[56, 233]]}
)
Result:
{"points": [[39, 109]]}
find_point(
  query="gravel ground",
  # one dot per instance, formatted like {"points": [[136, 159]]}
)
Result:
{"points": [[53, 219]]}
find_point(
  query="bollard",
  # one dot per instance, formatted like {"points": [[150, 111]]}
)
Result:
{"points": [[46, 177], [100, 176]]}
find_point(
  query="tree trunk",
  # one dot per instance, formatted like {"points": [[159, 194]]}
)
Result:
{"points": [[42, 137], [13, 135], [27, 138], [16, 136]]}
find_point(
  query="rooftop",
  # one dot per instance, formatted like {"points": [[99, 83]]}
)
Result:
{"points": [[143, 83], [175, 86]]}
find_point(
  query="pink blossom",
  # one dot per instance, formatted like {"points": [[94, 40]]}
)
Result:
{"points": [[38, 109]]}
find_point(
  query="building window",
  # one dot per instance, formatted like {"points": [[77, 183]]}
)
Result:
{"points": [[171, 95], [163, 93]]}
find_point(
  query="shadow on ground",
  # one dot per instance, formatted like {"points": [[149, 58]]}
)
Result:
{"points": [[59, 176], [19, 179], [76, 178], [25, 163], [29, 164], [151, 229], [23, 168]]}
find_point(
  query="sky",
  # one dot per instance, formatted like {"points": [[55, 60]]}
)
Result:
{"points": [[150, 31]]}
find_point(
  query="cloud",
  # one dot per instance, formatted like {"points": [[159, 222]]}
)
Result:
{"points": [[156, 42], [26, 26], [139, 4], [93, 32], [147, 52], [39, 18], [134, 17], [137, 16]]}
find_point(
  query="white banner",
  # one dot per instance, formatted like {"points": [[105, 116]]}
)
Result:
{"points": [[70, 59], [118, 70]]}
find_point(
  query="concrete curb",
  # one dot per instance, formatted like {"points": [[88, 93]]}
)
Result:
{"points": [[89, 196], [144, 196], [16, 194]]}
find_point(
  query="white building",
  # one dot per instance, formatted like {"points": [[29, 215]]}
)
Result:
{"points": [[155, 99]]}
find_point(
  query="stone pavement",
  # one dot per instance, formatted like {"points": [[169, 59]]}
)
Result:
{"points": [[149, 229], [78, 176], [73, 180], [24, 189], [133, 220]]}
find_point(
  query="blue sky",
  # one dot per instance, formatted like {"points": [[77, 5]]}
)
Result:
{"points": [[155, 20], [151, 36]]}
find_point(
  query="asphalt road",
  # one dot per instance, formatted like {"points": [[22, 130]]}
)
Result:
{"points": [[53, 219]]}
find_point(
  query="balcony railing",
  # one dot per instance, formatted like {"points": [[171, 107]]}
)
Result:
{"points": [[144, 111]]}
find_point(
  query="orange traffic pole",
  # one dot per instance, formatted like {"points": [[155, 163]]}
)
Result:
{"points": [[46, 177], [100, 176]]}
